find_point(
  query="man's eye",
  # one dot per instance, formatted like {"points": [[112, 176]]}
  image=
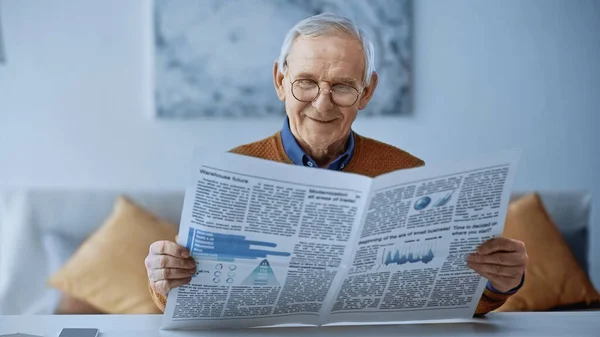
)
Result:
{"points": [[306, 82], [343, 89]]}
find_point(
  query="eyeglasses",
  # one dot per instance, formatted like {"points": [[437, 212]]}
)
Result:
{"points": [[342, 95]]}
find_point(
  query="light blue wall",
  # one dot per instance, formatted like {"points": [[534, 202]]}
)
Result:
{"points": [[75, 97]]}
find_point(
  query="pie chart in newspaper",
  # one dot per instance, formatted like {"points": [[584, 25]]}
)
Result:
{"points": [[421, 203]]}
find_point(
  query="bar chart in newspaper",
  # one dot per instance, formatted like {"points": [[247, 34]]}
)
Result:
{"points": [[228, 247], [406, 254]]}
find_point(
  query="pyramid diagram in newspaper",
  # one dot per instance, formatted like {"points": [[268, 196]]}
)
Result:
{"points": [[262, 275]]}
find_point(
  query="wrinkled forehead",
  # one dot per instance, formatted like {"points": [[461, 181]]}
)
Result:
{"points": [[327, 57]]}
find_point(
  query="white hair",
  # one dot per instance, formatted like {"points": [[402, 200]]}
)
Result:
{"points": [[329, 24]]}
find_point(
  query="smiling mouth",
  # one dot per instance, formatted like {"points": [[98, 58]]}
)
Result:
{"points": [[320, 121]]}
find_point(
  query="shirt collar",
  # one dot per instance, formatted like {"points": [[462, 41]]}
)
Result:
{"points": [[299, 157]]}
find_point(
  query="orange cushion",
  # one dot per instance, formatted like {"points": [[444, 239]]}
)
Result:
{"points": [[552, 277], [108, 271], [69, 305]]}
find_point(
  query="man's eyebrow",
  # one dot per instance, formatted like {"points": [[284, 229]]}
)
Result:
{"points": [[346, 80], [305, 75]]}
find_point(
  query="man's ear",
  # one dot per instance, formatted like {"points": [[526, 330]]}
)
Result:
{"points": [[368, 92], [278, 81]]}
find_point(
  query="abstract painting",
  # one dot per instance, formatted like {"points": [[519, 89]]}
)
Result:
{"points": [[214, 58]]}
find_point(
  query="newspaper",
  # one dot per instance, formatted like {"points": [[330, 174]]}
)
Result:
{"points": [[285, 245]]}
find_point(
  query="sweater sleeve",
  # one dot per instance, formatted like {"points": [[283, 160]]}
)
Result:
{"points": [[159, 299], [490, 301]]}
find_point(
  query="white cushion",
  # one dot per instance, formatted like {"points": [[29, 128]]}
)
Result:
{"points": [[22, 256]]}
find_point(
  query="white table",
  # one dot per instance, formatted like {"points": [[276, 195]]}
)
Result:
{"points": [[570, 324]]}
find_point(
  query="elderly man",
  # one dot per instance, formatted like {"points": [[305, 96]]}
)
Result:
{"points": [[325, 75]]}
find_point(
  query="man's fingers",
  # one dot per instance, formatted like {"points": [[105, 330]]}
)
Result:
{"points": [[165, 247], [500, 244], [505, 259], [156, 275], [164, 286], [167, 261], [496, 269]]}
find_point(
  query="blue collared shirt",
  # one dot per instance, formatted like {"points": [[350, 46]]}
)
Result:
{"points": [[299, 157]]}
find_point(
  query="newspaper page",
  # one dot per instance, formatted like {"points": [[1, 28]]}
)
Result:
{"points": [[278, 244], [269, 240], [410, 258]]}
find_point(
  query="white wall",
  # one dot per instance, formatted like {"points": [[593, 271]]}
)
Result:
{"points": [[75, 95]]}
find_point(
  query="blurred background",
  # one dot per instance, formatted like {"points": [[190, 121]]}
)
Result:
{"points": [[78, 108]]}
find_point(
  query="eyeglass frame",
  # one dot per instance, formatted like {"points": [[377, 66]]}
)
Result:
{"points": [[358, 92]]}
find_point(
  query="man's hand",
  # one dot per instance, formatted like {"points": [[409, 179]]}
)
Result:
{"points": [[169, 265], [502, 261]]}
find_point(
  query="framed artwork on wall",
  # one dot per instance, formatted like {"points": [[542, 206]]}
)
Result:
{"points": [[2, 53], [214, 58]]}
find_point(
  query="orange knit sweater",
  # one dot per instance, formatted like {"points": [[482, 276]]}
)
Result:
{"points": [[371, 158]]}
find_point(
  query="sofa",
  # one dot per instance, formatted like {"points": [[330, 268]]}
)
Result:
{"points": [[40, 229]]}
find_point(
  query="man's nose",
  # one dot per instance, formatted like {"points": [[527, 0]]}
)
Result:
{"points": [[323, 102]]}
